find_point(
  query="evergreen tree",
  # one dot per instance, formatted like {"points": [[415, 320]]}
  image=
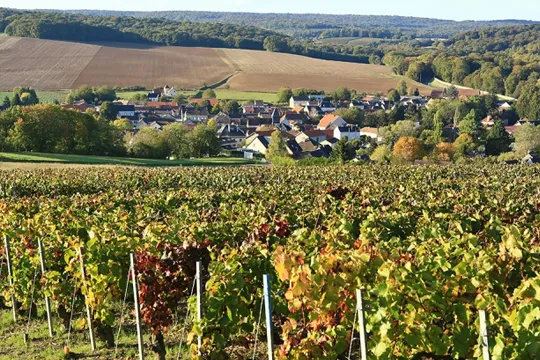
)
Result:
{"points": [[277, 147], [470, 125], [393, 95], [16, 100], [343, 151], [438, 128], [402, 88], [498, 140], [7, 103]]}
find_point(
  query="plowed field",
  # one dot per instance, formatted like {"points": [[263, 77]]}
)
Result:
{"points": [[47, 65]]}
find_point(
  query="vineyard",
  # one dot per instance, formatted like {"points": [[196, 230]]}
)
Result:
{"points": [[430, 247]]}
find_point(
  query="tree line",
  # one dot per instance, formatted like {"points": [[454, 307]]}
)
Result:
{"points": [[154, 31], [314, 25], [49, 128]]}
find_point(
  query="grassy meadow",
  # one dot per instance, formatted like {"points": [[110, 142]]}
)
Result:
{"points": [[7, 160]]}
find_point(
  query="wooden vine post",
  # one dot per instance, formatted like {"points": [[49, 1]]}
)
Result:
{"points": [[10, 277], [47, 301], [88, 311]]}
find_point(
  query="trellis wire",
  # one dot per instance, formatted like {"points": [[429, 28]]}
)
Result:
{"points": [[122, 314], [31, 304], [257, 329], [185, 321]]}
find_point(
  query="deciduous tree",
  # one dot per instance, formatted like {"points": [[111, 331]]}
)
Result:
{"points": [[527, 139], [381, 154], [407, 149], [284, 94], [108, 110], [277, 147], [209, 94]]}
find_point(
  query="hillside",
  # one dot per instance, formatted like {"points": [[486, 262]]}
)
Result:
{"points": [[327, 25], [158, 31], [48, 64]]}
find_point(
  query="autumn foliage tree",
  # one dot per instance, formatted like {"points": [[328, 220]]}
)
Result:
{"points": [[407, 149], [444, 151]]}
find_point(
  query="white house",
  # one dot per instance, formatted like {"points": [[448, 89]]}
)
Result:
{"points": [[153, 97], [169, 91], [330, 121], [299, 101], [327, 106], [125, 111], [371, 132], [351, 132]]}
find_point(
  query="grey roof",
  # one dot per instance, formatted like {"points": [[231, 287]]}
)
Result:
{"points": [[349, 129]]}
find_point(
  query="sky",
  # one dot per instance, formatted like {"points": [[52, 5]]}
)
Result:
{"points": [[453, 10]]}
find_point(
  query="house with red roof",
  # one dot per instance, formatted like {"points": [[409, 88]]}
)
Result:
{"points": [[331, 121]]}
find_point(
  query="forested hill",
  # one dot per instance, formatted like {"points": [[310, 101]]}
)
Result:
{"points": [[324, 25], [71, 27], [93, 28], [521, 38]]}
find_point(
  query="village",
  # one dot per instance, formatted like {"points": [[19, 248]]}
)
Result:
{"points": [[310, 124]]}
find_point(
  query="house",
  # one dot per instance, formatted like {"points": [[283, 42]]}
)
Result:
{"points": [[125, 111], [331, 120], [511, 129], [276, 116], [351, 132], [316, 97], [527, 121], [329, 142], [200, 101], [162, 105], [169, 91], [194, 114], [504, 106], [327, 106], [314, 111], [260, 144], [488, 121], [371, 132], [81, 106], [437, 94], [230, 136], [291, 119], [315, 135], [308, 145], [470, 92], [299, 101], [531, 159], [358, 104], [153, 96]]}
